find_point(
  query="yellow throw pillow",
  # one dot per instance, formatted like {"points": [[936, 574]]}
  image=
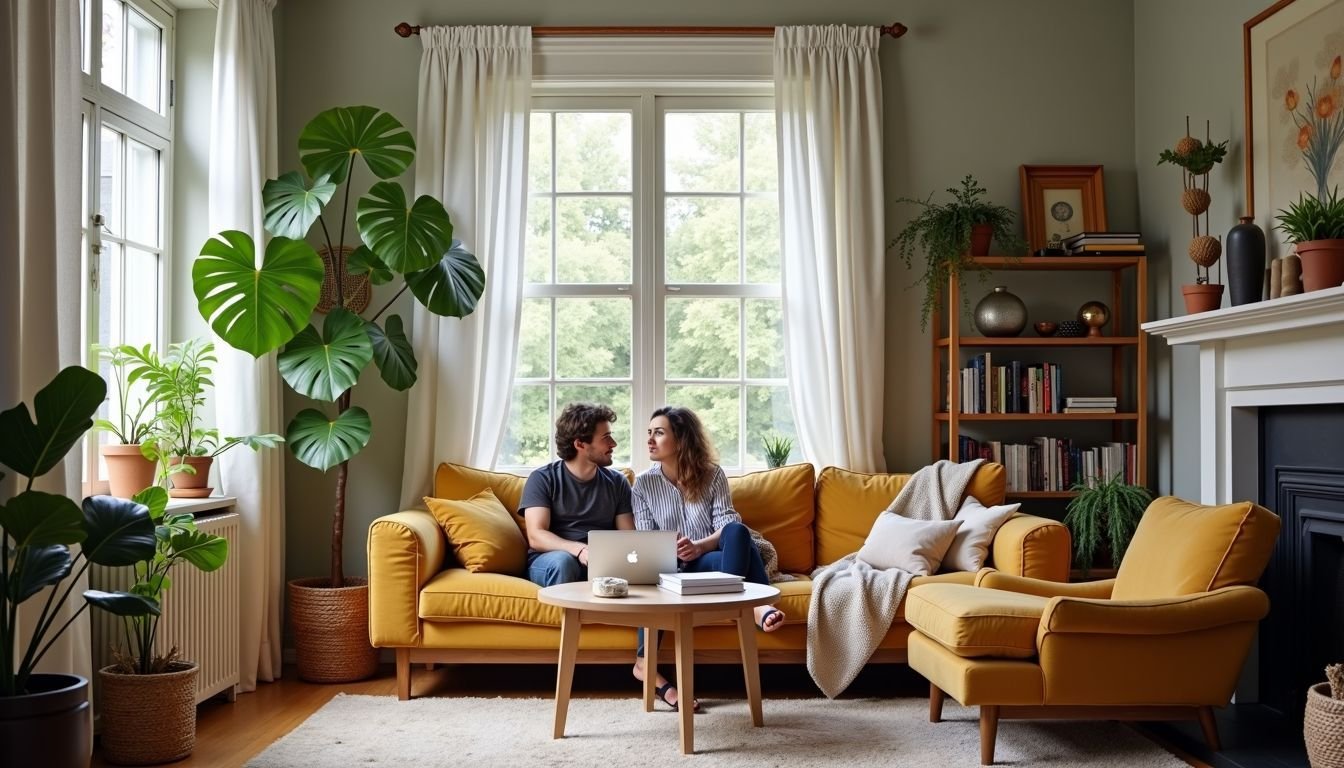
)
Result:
{"points": [[482, 533]]}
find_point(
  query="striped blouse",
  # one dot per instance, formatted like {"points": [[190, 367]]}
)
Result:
{"points": [[659, 506]]}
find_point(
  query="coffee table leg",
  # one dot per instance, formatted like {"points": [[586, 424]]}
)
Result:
{"points": [[564, 676], [751, 669], [686, 681], [650, 667]]}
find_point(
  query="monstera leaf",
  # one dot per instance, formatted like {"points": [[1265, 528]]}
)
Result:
{"points": [[453, 286], [64, 411], [330, 141], [406, 238], [322, 367], [322, 443], [256, 309], [292, 206], [392, 351], [203, 550], [363, 262]]}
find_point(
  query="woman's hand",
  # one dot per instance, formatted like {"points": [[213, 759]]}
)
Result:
{"points": [[688, 550]]}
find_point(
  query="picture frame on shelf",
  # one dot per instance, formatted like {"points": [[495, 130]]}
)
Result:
{"points": [[1059, 201], [1287, 64]]}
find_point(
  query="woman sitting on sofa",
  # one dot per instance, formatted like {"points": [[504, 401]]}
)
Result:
{"points": [[686, 491]]}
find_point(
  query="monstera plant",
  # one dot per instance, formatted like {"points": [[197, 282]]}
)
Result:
{"points": [[260, 308]]}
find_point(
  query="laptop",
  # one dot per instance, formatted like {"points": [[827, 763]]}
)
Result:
{"points": [[636, 556]]}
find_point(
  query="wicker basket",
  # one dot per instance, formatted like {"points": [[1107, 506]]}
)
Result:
{"points": [[331, 630], [148, 719], [1323, 727]]}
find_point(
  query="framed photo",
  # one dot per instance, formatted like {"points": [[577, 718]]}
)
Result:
{"points": [[1294, 126], [1059, 201]]}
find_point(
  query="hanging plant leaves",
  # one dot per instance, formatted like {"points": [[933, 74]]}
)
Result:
{"points": [[451, 287], [291, 206], [322, 367], [330, 141], [322, 443], [406, 239], [392, 351], [256, 309]]}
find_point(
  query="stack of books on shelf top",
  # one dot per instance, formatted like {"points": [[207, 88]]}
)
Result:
{"points": [[1104, 244], [703, 583], [1089, 405]]}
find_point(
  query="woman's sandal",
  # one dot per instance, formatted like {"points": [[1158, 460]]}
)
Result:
{"points": [[766, 617], [661, 693]]}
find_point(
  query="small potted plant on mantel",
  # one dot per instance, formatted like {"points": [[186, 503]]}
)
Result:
{"points": [[132, 461], [1316, 226], [950, 235], [1106, 510], [1196, 159]]}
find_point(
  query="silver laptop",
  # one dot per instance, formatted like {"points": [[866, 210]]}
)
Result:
{"points": [[636, 556]]}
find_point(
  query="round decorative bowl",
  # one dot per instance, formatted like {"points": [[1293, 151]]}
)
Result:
{"points": [[1046, 328], [1000, 313], [1071, 329]]}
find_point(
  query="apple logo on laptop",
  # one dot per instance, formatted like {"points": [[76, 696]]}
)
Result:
{"points": [[633, 557]]}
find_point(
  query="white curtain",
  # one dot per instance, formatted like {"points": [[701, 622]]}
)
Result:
{"points": [[247, 392], [40, 260], [828, 107], [471, 140]]}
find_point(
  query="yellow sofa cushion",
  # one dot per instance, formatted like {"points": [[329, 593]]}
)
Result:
{"points": [[1181, 548], [456, 594], [483, 535], [973, 622], [779, 504], [454, 481]]}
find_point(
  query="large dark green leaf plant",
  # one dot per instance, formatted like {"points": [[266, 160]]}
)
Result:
{"points": [[258, 309]]}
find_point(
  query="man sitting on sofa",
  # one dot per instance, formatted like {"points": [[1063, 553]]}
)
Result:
{"points": [[566, 499]]}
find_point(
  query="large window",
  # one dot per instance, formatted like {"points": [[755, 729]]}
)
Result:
{"points": [[652, 272]]}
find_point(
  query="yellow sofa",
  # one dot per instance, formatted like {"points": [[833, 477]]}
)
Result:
{"points": [[428, 608]]}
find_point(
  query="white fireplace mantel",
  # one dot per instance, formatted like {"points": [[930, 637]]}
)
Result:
{"points": [[1287, 351]]}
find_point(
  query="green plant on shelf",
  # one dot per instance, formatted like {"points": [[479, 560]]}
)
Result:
{"points": [[1104, 510]]}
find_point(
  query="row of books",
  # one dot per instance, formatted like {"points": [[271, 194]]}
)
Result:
{"points": [[1105, 243], [1055, 463], [702, 583], [1014, 387]]}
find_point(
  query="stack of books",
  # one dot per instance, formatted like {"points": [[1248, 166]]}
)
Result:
{"points": [[1104, 243], [1089, 404], [703, 583]]}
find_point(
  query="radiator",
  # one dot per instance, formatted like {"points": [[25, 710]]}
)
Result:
{"points": [[200, 614]]}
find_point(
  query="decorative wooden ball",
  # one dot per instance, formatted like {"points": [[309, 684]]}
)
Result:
{"points": [[1094, 315], [1186, 145], [1205, 250], [1195, 201]]}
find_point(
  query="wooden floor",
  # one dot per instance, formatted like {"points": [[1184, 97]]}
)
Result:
{"points": [[231, 734]]}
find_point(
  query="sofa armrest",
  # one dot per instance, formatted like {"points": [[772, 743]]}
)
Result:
{"points": [[1165, 616], [405, 549], [992, 579], [1035, 547]]}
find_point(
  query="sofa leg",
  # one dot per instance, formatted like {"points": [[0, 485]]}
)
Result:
{"points": [[989, 730], [1209, 725], [403, 674], [935, 704]]}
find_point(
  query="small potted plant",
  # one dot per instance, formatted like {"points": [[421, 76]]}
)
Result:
{"points": [[777, 450], [133, 458], [1323, 723], [1196, 159], [1316, 227], [949, 236], [1105, 510]]}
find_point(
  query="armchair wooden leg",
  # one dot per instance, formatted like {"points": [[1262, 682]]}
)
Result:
{"points": [[403, 673], [1209, 725], [989, 731], [935, 704]]}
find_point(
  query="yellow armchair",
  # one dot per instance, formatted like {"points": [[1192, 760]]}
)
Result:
{"points": [[1165, 639]]}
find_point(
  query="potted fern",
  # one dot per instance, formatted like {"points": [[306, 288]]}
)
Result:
{"points": [[1105, 511], [946, 238]]}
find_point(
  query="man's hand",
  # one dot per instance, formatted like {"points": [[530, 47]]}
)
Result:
{"points": [[583, 556], [687, 550]]}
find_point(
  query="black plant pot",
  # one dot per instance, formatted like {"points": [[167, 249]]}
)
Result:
{"points": [[1246, 262], [50, 727]]}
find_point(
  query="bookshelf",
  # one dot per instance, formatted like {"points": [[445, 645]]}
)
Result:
{"points": [[1125, 354]]}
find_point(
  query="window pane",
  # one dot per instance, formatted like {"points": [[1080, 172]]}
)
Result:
{"points": [[701, 152], [765, 338], [537, 261], [594, 242], [110, 181], [717, 407], [139, 297], [768, 414], [142, 193], [113, 18], [85, 36], [528, 441], [702, 339], [144, 43], [762, 162], [539, 153], [109, 286], [701, 239], [534, 342], [593, 338], [762, 242], [592, 151], [617, 397]]}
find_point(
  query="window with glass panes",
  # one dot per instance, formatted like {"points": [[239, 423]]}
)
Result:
{"points": [[652, 273]]}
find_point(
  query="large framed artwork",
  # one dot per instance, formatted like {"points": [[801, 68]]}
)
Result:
{"points": [[1059, 201], [1294, 107]]}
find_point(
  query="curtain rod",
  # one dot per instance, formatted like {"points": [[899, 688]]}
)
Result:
{"points": [[894, 30]]}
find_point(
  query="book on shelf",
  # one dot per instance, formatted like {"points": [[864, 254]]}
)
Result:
{"points": [[1108, 237], [1086, 401], [1013, 387], [701, 578], [1082, 409], [1105, 249], [1053, 464]]}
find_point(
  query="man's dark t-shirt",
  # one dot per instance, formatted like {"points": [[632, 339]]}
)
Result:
{"points": [[577, 507]]}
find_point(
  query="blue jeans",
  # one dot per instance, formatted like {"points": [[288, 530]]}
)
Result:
{"points": [[737, 554], [556, 567]]}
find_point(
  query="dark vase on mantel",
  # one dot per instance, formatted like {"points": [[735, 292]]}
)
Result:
{"points": [[1246, 262]]}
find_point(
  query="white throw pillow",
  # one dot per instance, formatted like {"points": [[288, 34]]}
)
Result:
{"points": [[916, 546], [970, 547]]}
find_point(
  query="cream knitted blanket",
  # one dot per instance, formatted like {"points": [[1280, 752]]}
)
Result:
{"points": [[854, 604]]}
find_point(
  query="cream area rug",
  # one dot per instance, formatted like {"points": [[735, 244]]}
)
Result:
{"points": [[476, 732]]}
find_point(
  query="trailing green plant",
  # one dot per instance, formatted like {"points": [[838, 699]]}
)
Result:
{"points": [[135, 422], [941, 234], [176, 539], [1105, 509], [1310, 218], [37, 528], [777, 450], [260, 309]]}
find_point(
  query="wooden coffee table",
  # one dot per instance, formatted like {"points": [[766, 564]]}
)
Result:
{"points": [[653, 608]]}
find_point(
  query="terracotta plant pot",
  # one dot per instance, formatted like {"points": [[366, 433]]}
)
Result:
{"points": [[128, 471], [1202, 297], [49, 726], [1322, 264], [186, 484], [331, 630], [148, 719], [981, 236]]}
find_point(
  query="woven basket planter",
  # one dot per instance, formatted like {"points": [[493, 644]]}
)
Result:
{"points": [[1323, 727], [331, 630], [148, 719]]}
